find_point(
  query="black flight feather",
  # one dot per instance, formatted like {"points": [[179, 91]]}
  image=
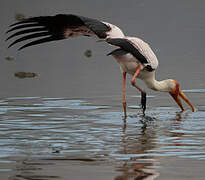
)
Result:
{"points": [[126, 45], [55, 26], [118, 52], [26, 31]]}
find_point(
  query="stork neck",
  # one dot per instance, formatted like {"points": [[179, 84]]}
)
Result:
{"points": [[155, 85]]}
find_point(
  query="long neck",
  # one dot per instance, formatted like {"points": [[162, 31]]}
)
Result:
{"points": [[152, 83]]}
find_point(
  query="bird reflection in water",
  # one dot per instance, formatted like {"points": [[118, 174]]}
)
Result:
{"points": [[136, 145], [140, 167], [176, 130]]}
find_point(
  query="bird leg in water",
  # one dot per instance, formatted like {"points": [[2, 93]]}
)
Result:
{"points": [[123, 97], [143, 93], [143, 101]]}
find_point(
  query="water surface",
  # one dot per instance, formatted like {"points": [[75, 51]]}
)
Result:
{"points": [[80, 130]]}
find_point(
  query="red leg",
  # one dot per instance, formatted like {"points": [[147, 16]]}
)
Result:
{"points": [[134, 77], [143, 93]]}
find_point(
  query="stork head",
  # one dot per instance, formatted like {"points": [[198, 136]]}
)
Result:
{"points": [[176, 93]]}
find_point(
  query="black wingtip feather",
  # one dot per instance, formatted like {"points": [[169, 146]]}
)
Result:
{"points": [[20, 22], [27, 31], [22, 27], [55, 26], [31, 36], [39, 41]]}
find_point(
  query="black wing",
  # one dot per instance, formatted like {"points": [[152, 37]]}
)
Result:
{"points": [[118, 52], [127, 46], [53, 28]]}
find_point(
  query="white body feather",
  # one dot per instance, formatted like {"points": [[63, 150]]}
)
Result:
{"points": [[115, 31], [128, 63]]}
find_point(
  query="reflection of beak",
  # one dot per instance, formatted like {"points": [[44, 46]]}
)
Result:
{"points": [[176, 94]]}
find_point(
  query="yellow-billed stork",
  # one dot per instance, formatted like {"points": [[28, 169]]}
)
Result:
{"points": [[133, 54]]}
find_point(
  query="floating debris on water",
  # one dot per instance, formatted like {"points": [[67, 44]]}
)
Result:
{"points": [[19, 17], [88, 53], [9, 58], [25, 75]]}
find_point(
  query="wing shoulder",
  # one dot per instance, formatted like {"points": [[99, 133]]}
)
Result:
{"points": [[138, 48], [128, 45], [145, 49]]}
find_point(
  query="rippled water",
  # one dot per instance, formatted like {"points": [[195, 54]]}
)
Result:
{"points": [[79, 129]]}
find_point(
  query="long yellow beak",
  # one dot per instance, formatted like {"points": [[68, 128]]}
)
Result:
{"points": [[176, 94]]}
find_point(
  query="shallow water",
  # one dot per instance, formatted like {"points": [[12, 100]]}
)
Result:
{"points": [[80, 130]]}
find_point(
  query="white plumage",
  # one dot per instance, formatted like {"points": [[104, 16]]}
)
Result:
{"points": [[115, 32], [129, 63]]}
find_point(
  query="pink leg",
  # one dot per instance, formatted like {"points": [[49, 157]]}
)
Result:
{"points": [[143, 93]]}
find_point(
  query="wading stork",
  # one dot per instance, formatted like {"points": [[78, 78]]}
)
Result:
{"points": [[134, 56]]}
